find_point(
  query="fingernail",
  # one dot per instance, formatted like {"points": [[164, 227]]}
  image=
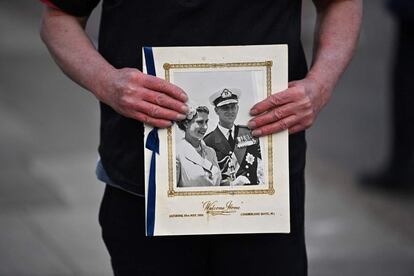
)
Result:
{"points": [[251, 124], [185, 108], [253, 111], [180, 117], [257, 132], [184, 97]]}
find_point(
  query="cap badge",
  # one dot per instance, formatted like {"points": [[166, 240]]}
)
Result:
{"points": [[226, 93]]}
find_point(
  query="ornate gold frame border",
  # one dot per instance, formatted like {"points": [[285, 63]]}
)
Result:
{"points": [[270, 190]]}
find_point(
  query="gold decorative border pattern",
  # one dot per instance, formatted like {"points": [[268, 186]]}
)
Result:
{"points": [[270, 190]]}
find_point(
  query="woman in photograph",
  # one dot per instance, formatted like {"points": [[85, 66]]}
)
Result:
{"points": [[196, 162]]}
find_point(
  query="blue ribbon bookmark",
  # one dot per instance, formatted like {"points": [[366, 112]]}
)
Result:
{"points": [[153, 144], [149, 61]]}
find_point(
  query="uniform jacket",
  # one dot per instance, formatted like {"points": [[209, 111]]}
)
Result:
{"points": [[242, 160]]}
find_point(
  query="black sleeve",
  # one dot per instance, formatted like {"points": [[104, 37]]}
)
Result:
{"points": [[76, 7], [403, 9]]}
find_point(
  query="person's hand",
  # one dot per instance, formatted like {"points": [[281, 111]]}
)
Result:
{"points": [[295, 108], [142, 97], [239, 181]]}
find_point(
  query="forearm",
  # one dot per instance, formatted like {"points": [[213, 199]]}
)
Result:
{"points": [[72, 50], [336, 35], [127, 90]]}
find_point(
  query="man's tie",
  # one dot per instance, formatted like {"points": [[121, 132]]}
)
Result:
{"points": [[231, 140]]}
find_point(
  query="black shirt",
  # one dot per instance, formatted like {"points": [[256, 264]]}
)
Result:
{"points": [[127, 25]]}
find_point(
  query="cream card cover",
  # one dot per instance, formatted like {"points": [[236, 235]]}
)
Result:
{"points": [[211, 175]]}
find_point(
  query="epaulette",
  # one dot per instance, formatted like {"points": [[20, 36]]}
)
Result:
{"points": [[244, 129]]}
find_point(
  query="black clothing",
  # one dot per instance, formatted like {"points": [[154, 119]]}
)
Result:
{"points": [[403, 98], [403, 88], [402, 158], [126, 26], [403, 9], [132, 253]]}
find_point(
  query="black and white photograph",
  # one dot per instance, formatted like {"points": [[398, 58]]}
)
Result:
{"points": [[214, 147]]}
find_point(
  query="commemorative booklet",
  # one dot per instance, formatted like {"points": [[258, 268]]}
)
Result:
{"points": [[207, 174]]}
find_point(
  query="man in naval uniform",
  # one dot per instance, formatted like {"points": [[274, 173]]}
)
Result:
{"points": [[238, 152]]}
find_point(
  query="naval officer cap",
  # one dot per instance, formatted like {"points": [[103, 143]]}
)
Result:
{"points": [[225, 96]]}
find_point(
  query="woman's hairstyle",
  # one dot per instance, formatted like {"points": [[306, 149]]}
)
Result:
{"points": [[192, 114]]}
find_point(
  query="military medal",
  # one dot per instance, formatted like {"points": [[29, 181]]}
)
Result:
{"points": [[246, 140]]}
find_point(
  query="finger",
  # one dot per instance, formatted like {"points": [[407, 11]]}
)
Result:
{"points": [[296, 128], [275, 127], [306, 121], [160, 123], [165, 87], [164, 100], [273, 115], [272, 101], [158, 112]]}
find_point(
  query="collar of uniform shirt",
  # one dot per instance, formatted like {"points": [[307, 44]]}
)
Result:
{"points": [[225, 131]]}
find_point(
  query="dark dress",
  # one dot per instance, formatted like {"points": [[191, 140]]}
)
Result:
{"points": [[126, 26]]}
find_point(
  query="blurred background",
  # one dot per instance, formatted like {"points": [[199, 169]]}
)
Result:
{"points": [[49, 197]]}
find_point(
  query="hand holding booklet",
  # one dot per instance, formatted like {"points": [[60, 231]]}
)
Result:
{"points": [[208, 174]]}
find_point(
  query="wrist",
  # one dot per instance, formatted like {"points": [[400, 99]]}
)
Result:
{"points": [[103, 82], [321, 81], [321, 89]]}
